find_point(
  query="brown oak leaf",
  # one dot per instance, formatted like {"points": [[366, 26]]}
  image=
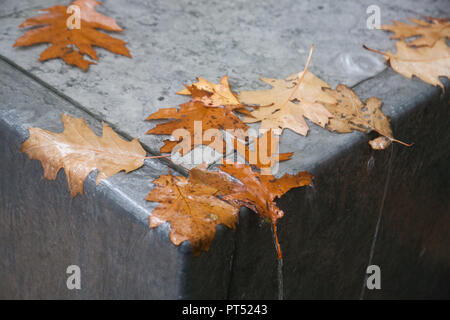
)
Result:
{"points": [[79, 151], [426, 63], [71, 44], [428, 33], [290, 101], [350, 113], [194, 206]]}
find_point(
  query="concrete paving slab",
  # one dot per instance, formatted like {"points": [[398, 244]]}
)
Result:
{"points": [[173, 42]]}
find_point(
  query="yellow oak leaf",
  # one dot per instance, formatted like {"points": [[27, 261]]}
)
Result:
{"points": [[289, 102], [428, 33], [212, 95], [426, 63]]}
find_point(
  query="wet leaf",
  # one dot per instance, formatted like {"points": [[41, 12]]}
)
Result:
{"points": [[428, 33], [185, 118], [263, 152], [289, 102], [194, 206], [212, 95], [350, 113], [79, 151], [426, 63], [262, 190], [72, 44]]}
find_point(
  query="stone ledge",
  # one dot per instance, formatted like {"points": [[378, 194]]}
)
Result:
{"points": [[105, 231]]}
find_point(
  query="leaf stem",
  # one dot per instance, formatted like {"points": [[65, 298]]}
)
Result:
{"points": [[305, 70], [374, 50], [300, 78], [277, 244], [401, 142], [155, 157]]}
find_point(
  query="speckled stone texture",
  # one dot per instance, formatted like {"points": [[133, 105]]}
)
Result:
{"points": [[328, 230]]}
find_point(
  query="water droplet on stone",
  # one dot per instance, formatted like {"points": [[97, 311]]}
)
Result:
{"points": [[370, 164], [360, 63]]}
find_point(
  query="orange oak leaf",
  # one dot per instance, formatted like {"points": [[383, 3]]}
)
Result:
{"points": [[428, 33], [262, 152], [79, 151], [193, 206], [189, 116], [426, 63], [350, 113], [70, 44], [289, 102], [261, 191]]}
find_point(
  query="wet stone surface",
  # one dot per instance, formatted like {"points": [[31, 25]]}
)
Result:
{"points": [[328, 230]]}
